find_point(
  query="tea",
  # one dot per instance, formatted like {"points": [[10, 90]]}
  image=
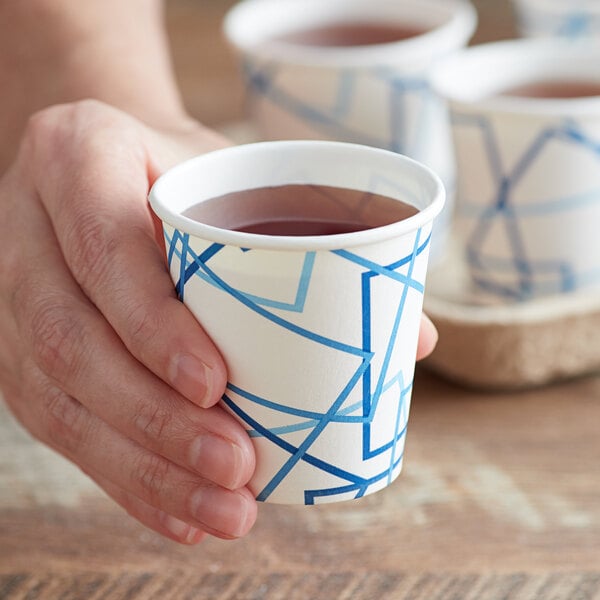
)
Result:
{"points": [[555, 89], [300, 210], [301, 227], [350, 34]]}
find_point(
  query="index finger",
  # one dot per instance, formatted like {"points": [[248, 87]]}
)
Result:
{"points": [[94, 192]]}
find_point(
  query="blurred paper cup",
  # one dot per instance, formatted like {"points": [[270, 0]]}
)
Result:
{"points": [[309, 79], [526, 123], [319, 333], [571, 19]]}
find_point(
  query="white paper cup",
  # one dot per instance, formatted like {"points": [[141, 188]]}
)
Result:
{"points": [[319, 333], [528, 203], [571, 19], [375, 95]]}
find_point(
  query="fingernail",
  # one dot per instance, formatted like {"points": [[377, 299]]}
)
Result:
{"points": [[184, 532], [193, 378], [222, 510], [218, 460]]}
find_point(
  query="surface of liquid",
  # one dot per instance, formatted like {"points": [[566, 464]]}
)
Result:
{"points": [[350, 34], [300, 210], [554, 89], [301, 227]]}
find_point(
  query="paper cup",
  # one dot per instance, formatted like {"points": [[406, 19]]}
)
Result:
{"points": [[528, 203], [377, 95], [571, 19], [319, 333]]}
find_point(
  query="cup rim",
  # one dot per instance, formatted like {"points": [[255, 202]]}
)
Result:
{"points": [[521, 54], [159, 200], [453, 33]]}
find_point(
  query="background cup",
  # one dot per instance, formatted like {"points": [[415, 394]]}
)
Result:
{"points": [[528, 203], [375, 95], [572, 19], [319, 333]]}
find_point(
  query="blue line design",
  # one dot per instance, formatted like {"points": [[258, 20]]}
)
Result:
{"points": [[361, 489], [290, 448], [361, 413], [573, 25], [342, 416], [297, 412], [539, 207], [369, 452], [358, 483], [344, 94], [199, 262], [312, 437], [301, 292], [303, 283], [396, 431], [576, 25], [366, 340], [185, 239], [332, 120], [518, 276], [398, 142]]}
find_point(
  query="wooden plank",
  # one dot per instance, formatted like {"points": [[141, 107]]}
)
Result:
{"points": [[491, 482], [285, 586]]}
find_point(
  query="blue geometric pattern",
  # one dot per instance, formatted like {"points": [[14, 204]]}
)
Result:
{"points": [[519, 271], [368, 413], [375, 107], [573, 23], [407, 95]]}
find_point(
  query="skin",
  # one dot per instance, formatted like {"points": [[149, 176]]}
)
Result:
{"points": [[98, 358]]}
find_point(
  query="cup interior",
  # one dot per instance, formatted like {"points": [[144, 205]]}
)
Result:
{"points": [[271, 164], [256, 26], [482, 73]]}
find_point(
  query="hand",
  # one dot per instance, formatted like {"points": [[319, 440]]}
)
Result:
{"points": [[428, 337], [98, 358]]}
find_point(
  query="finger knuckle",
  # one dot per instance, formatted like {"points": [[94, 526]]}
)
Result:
{"points": [[57, 340], [146, 322], [45, 125], [74, 130], [153, 422], [59, 120], [151, 473], [64, 421], [48, 131], [91, 113], [91, 245]]}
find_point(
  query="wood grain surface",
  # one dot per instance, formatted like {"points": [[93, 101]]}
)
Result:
{"points": [[283, 586], [499, 498]]}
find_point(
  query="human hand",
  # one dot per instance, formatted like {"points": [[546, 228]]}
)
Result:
{"points": [[428, 337], [98, 358]]}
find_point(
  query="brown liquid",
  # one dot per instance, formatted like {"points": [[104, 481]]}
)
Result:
{"points": [[300, 210], [555, 89], [350, 34], [300, 227]]}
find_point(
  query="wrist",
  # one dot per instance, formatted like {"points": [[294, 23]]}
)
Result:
{"points": [[56, 51]]}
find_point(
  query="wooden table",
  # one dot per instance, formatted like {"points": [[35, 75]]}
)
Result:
{"points": [[499, 499]]}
